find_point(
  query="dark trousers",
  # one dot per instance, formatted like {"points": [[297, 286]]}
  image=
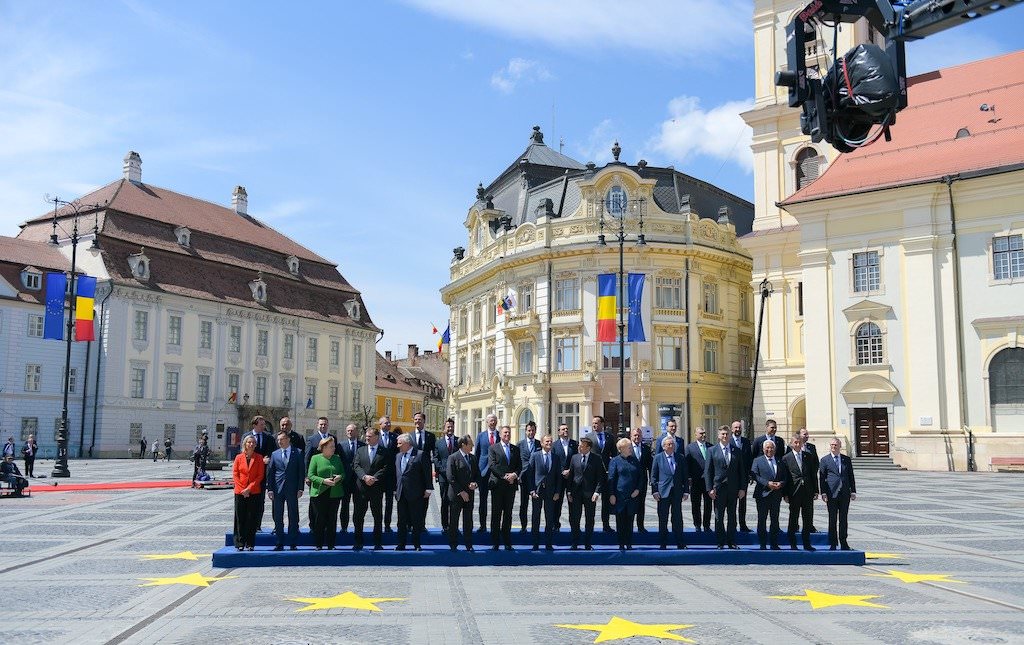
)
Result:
{"points": [[670, 507], [641, 506], [389, 499], [768, 519], [725, 507], [459, 508], [801, 513], [372, 499], [606, 505], [155, 455], [558, 506], [346, 504], [245, 520], [624, 525], [585, 506], [167, 454], [484, 493], [838, 512], [502, 498], [277, 509], [524, 504], [700, 504], [442, 497], [311, 513], [550, 508], [261, 507], [325, 528], [410, 519], [142, 452], [742, 512], [30, 464]]}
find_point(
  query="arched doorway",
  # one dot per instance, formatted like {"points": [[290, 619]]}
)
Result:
{"points": [[798, 416], [1006, 389]]}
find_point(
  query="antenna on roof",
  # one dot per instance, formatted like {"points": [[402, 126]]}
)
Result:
{"points": [[553, 119]]}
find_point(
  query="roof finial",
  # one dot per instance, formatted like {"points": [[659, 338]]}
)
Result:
{"points": [[480, 192], [537, 136], [616, 150]]}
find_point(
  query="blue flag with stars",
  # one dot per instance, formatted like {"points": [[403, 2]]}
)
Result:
{"points": [[53, 323]]}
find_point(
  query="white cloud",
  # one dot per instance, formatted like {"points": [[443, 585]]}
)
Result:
{"points": [[690, 29], [519, 71], [719, 132], [950, 49], [284, 209], [598, 145]]}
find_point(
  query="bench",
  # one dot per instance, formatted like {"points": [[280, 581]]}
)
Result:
{"points": [[6, 490], [1007, 464]]}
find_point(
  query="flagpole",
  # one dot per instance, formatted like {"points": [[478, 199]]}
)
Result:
{"points": [[60, 466]]}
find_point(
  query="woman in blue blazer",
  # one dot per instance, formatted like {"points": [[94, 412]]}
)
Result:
{"points": [[624, 474]]}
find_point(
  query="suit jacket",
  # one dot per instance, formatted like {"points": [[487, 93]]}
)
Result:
{"points": [[725, 478], [392, 450], [460, 474], [313, 445], [525, 451], [809, 451], [297, 440], [803, 477], [415, 480], [248, 476], [286, 479], [695, 464], [348, 457], [33, 447], [609, 451], [482, 452], [429, 443], [546, 482], [584, 482], [757, 449], [499, 466], [762, 472], [833, 481], [441, 454], [665, 481], [565, 454], [680, 444], [746, 455], [378, 467], [265, 444]]}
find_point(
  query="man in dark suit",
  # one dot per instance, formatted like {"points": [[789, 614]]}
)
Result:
{"points": [[369, 469], [313, 448], [527, 447], [586, 478], [565, 447], [742, 444], [696, 459], [645, 458], [604, 445], [389, 442], [482, 453], [770, 434], [770, 482], [726, 481], [413, 485], [543, 475], [809, 449], [670, 485], [463, 476], [671, 430], [504, 465], [347, 451], [446, 446], [264, 447], [838, 488], [801, 492], [297, 440], [285, 481]]}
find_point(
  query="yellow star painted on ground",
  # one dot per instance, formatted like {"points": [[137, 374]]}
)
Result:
{"points": [[347, 600], [182, 555], [820, 600], [194, 579], [617, 628], [904, 576], [882, 556]]}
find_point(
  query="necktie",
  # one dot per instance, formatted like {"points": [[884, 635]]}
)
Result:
{"points": [[508, 457], [352, 447], [259, 440], [373, 453], [405, 461], [636, 451], [600, 441], [725, 451], [799, 461], [384, 439], [492, 438], [419, 440], [547, 462], [671, 463], [839, 466], [468, 463], [772, 463], [703, 451], [584, 462], [449, 443], [287, 455]]}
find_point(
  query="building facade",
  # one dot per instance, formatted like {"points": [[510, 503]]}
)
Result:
{"points": [[429, 371], [533, 242], [398, 397]]}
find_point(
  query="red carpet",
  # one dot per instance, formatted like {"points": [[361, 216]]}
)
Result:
{"points": [[66, 488]]}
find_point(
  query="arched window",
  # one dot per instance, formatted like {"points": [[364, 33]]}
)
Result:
{"points": [[808, 166], [1006, 377], [869, 344], [525, 417]]}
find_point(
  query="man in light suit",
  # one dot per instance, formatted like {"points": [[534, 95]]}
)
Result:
{"points": [[413, 485], [482, 452], [463, 480], [504, 466], [646, 459], [604, 445], [313, 448], [369, 469], [770, 482], [838, 488], [527, 447], [801, 491], [565, 447], [670, 485], [285, 481], [586, 478], [543, 475], [347, 451], [264, 448], [696, 460], [671, 430], [742, 444], [446, 446], [726, 481]]}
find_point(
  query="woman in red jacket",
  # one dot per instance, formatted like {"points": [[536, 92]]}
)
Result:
{"points": [[247, 472]]}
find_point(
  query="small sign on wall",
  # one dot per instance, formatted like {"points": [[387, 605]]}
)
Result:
{"points": [[925, 421]]}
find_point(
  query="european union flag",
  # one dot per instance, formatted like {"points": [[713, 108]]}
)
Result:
{"points": [[309, 403], [53, 323], [636, 323]]}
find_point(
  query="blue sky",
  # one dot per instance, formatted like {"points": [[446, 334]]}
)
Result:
{"points": [[362, 129]]}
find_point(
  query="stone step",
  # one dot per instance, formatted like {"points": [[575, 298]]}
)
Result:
{"points": [[875, 462]]}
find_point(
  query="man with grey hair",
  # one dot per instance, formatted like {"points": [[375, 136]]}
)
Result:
{"points": [[481, 451], [413, 485]]}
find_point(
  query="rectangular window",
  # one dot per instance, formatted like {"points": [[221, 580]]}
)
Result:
{"points": [[800, 299], [286, 392], [478, 422], [461, 371], [205, 334], [492, 310], [262, 342], [710, 355], [33, 281], [357, 356], [866, 272], [710, 416], [357, 398], [669, 352], [526, 357], [1008, 257], [289, 346], [569, 414], [233, 385], [140, 331], [610, 356], [387, 407], [311, 349], [171, 386], [567, 354], [475, 367], [35, 326], [174, 330], [744, 305], [311, 395], [710, 298], [463, 322], [525, 299], [170, 431], [72, 379], [134, 433], [478, 318], [138, 382], [332, 398], [490, 362], [235, 339], [261, 390], [29, 425], [464, 422], [33, 377], [334, 356], [668, 293], [203, 388], [567, 294], [745, 361], [401, 408]]}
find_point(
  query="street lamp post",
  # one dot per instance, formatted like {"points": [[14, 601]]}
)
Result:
{"points": [[766, 290]]}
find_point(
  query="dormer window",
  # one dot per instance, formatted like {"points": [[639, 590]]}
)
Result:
{"points": [[293, 265], [184, 236], [259, 289], [354, 309], [139, 264], [32, 278]]}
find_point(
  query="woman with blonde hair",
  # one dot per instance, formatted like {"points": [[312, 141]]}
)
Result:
{"points": [[326, 486], [247, 472], [624, 474]]}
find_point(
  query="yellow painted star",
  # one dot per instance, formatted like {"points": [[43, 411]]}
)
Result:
{"points": [[617, 628], [194, 579], [347, 600], [882, 556], [181, 555], [820, 600], [904, 576]]}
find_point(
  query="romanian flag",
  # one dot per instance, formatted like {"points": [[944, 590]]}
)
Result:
{"points": [[445, 337], [84, 328], [434, 328], [606, 307]]}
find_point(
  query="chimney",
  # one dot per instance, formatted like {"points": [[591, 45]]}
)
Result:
{"points": [[387, 355], [240, 200], [414, 352], [133, 167]]}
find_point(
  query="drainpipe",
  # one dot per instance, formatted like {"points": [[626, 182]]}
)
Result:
{"points": [[958, 302]]}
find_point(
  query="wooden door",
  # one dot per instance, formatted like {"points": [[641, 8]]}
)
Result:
{"points": [[872, 431], [611, 415]]}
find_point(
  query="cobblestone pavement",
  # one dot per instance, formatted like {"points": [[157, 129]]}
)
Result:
{"points": [[71, 567]]}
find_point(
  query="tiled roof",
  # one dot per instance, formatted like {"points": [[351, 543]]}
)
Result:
{"points": [[925, 146], [16, 255], [390, 377]]}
